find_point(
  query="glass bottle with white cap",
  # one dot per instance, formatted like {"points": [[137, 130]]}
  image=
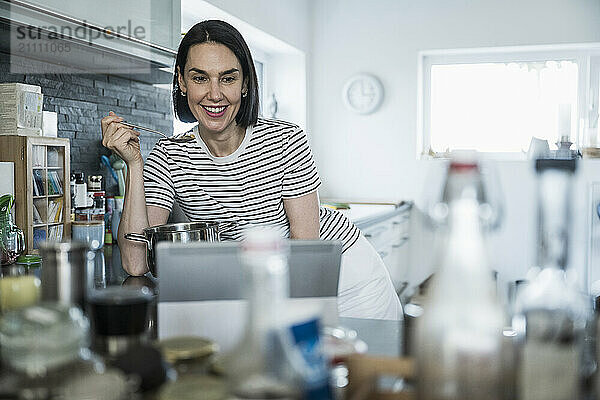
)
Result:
{"points": [[459, 335], [250, 367], [551, 312], [280, 355]]}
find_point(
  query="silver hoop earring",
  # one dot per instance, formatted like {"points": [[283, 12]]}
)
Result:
{"points": [[244, 94], [183, 94]]}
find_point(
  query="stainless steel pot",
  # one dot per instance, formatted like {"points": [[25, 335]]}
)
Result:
{"points": [[186, 232]]}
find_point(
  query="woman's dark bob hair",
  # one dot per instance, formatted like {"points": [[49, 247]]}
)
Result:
{"points": [[214, 31]]}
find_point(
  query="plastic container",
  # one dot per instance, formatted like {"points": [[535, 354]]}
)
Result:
{"points": [[116, 216], [91, 232]]}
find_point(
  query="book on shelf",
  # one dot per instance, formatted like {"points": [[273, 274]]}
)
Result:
{"points": [[39, 235], [54, 183], [38, 183], [55, 232], [55, 209], [37, 218]]}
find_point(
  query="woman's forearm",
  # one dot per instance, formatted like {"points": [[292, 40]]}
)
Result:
{"points": [[133, 220]]}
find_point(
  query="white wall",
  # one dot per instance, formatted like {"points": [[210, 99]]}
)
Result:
{"points": [[374, 156], [288, 20]]}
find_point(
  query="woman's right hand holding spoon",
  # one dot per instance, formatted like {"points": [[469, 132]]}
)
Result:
{"points": [[121, 139]]}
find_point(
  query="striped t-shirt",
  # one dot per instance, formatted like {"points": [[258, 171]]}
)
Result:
{"points": [[274, 162]]}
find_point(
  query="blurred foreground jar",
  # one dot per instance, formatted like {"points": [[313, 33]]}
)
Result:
{"points": [[191, 356], [45, 346], [459, 335], [67, 273], [551, 312], [18, 289]]}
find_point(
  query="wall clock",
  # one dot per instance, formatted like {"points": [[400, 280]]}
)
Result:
{"points": [[363, 93]]}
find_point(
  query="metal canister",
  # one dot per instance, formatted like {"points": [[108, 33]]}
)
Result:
{"points": [[67, 272]]}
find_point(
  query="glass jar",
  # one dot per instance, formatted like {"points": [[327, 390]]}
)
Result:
{"points": [[32, 264], [45, 346], [188, 354], [191, 356]]}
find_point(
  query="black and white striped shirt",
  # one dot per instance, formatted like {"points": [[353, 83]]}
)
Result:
{"points": [[274, 162]]}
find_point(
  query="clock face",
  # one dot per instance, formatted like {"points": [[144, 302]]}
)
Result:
{"points": [[363, 93]]}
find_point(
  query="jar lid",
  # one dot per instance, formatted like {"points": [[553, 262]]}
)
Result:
{"points": [[29, 259], [87, 223], [183, 348], [189, 387]]}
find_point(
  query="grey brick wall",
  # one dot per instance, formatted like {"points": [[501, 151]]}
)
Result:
{"points": [[81, 101]]}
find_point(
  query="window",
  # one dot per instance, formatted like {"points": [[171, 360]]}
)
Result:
{"points": [[496, 100]]}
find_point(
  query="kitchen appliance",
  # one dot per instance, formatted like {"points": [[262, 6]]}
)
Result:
{"points": [[12, 240], [183, 232], [213, 271], [67, 272], [205, 280]]}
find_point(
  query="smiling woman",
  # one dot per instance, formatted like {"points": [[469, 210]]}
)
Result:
{"points": [[241, 169], [214, 86]]}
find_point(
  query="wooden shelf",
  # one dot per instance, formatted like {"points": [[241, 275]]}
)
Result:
{"points": [[23, 151]]}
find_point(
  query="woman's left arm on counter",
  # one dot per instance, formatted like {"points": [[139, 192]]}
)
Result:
{"points": [[303, 214]]}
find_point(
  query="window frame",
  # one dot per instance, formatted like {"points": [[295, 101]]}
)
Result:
{"points": [[586, 55], [261, 57]]}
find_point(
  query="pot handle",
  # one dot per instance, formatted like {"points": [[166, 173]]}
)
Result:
{"points": [[227, 226], [137, 237]]}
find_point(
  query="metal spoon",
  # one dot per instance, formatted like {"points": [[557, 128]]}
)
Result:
{"points": [[179, 139]]}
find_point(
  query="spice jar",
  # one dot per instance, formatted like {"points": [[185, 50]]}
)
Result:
{"points": [[188, 354]]}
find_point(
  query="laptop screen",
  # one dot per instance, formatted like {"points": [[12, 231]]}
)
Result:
{"points": [[213, 271]]}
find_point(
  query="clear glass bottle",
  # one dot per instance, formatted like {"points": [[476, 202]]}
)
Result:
{"points": [[551, 312], [251, 367], [268, 362], [459, 335]]}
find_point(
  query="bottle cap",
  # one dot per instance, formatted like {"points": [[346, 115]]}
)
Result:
{"points": [[463, 160], [545, 164]]}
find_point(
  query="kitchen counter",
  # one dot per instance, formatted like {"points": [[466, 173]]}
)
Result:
{"points": [[364, 215]]}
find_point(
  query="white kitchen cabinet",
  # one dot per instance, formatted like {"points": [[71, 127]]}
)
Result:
{"points": [[157, 22], [388, 232]]}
